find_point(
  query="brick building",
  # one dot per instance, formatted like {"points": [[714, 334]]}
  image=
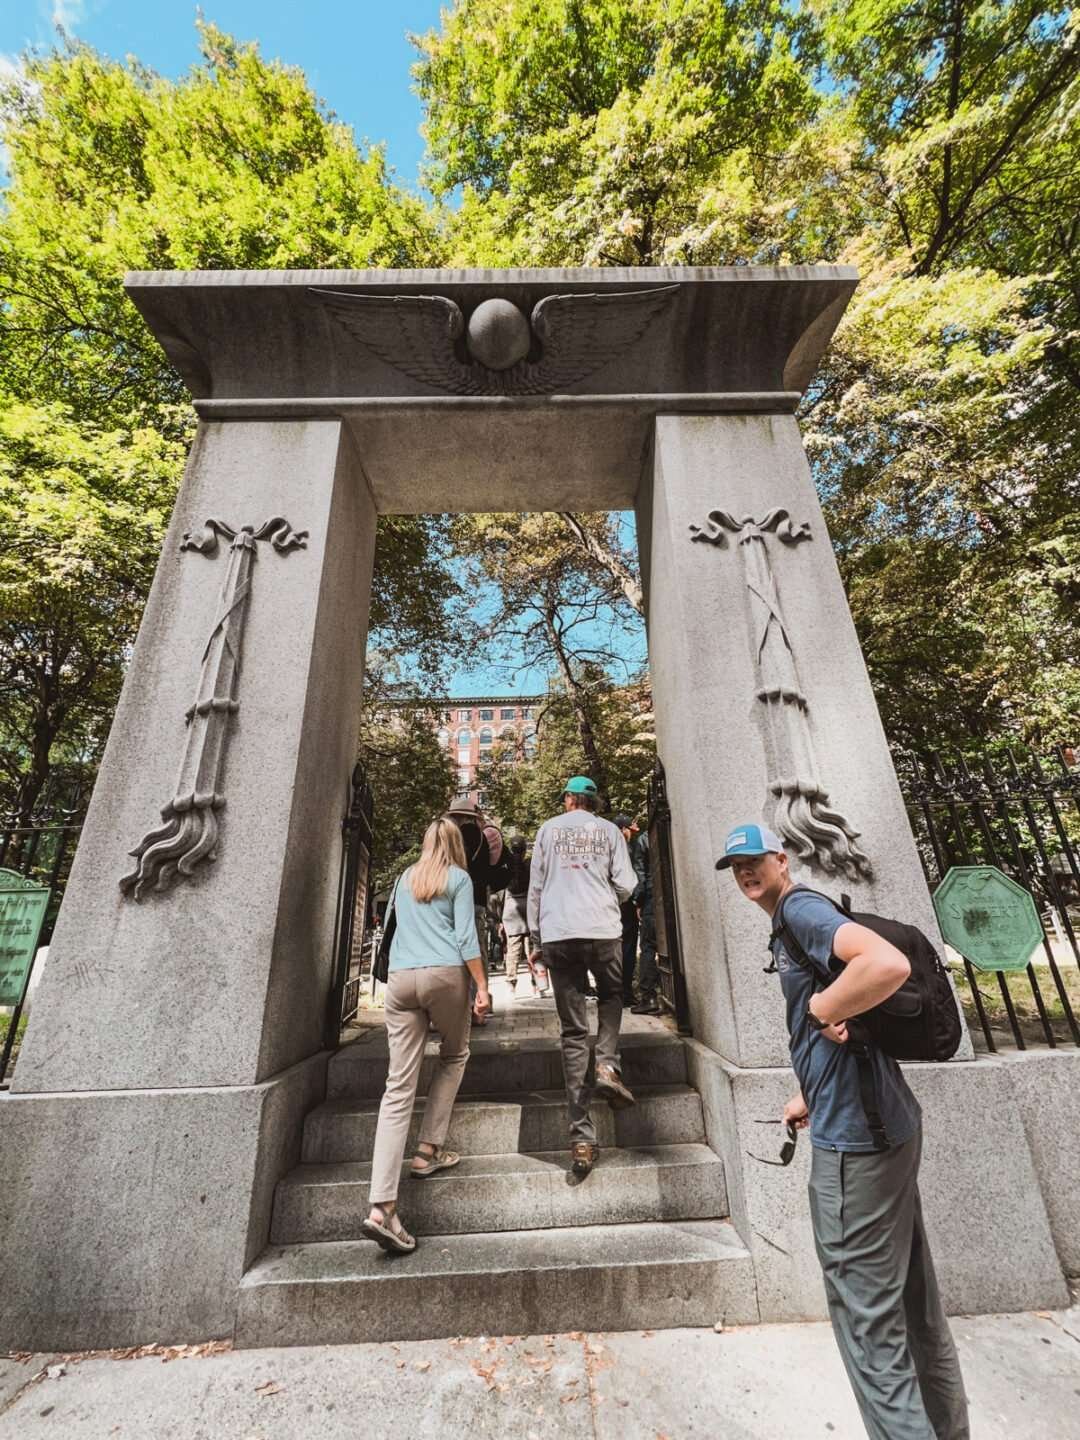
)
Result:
{"points": [[470, 728]]}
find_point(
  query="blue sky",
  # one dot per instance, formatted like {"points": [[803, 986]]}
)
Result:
{"points": [[356, 55]]}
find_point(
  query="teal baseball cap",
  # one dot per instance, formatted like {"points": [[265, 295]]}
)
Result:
{"points": [[579, 785], [749, 840]]}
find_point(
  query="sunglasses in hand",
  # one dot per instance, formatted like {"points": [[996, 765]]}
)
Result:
{"points": [[787, 1150]]}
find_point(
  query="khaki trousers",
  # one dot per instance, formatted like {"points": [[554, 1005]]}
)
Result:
{"points": [[517, 953], [438, 994]]}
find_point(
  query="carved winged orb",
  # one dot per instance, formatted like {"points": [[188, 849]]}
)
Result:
{"points": [[497, 351]]}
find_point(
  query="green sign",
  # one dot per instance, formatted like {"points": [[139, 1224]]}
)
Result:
{"points": [[990, 919], [22, 914]]}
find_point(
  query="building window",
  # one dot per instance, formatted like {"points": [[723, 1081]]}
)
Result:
{"points": [[507, 714], [526, 712], [485, 736], [508, 733], [486, 714], [464, 757], [464, 777], [444, 738], [530, 747], [464, 714], [464, 737], [446, 717]]}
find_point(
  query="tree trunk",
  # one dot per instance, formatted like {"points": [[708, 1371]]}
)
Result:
{"points": [[608, 560], [597, 768]]}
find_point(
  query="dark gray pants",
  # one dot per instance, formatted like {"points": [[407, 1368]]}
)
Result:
{"points": [[882, 1292], [567, 962]]}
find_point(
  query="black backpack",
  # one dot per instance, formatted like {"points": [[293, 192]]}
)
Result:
{"points": [[921, 1020]]}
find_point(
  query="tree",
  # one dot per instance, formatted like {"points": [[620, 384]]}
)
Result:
{"points": [[114, 168], [525, 793], [82, 516], [412, 782], [937, 149]]}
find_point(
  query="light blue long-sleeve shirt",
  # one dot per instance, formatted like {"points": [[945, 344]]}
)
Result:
{"points": [[434, 932]]}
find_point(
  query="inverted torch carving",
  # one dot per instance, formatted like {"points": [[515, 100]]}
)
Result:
{"points": [[189, 832], [816, 833]]}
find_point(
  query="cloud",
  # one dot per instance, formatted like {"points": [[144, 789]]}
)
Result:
{"points": [[68, 14]]}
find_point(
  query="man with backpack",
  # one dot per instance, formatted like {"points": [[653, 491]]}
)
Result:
{"points": [[866, 1133]]}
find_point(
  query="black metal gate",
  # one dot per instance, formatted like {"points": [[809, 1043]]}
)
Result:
{"points": [[351, 938], [666, 904], [40, 846], [1022, 814]]}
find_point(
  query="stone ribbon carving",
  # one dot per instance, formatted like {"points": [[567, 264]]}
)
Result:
{"points": [[189, 832], [497, 351], [817, 833]]}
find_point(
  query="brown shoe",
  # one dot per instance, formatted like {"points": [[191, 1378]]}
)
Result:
{"points": [[583, 1157], [609, 1087]]}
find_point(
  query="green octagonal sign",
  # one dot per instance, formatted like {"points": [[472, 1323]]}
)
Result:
{"points": [[990, 919]]}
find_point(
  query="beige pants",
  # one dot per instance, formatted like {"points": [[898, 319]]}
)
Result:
{"points": [[435, 993], [517, 953]]}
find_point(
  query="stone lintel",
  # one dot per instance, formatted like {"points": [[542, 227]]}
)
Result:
{"points": [[561, 415]]}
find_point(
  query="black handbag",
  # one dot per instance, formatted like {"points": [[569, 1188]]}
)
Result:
{"points": [[381, 967]]}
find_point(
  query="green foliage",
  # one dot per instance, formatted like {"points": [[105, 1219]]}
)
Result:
{"points": [[524, 794], [82, 517], [412, 781], [114, 168], [938, 149]]}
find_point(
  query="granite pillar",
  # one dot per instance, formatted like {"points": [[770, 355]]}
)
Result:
{"points": [[759, 681], [175, 1040]]}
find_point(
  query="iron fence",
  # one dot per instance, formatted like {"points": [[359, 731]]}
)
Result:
{"points": [[669, 963], [39, 846], [352, 940], [1021, 813]]}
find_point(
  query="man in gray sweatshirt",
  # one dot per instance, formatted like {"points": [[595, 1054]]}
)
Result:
{"points": [[581, 873]]}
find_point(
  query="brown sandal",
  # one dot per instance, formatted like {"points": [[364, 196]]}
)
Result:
{"points": [[394, 1241], [437, 1160]]}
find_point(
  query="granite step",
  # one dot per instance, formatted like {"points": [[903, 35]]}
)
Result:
{"points": [[344, 1129], [501, 1067], [508, 1192], [529, 1282]]}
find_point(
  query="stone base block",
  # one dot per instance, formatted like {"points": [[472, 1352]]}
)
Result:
{"points": [[987, 1195], [129, 1216]]}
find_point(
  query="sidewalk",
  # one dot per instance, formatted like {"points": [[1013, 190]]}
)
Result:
{"points": [[781, 1382]]}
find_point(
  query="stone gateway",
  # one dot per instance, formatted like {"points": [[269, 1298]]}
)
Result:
{"points": [[177, 1040]]}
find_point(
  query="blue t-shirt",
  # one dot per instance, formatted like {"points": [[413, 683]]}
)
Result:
{"points": [[826, 1071], [435, 932]]}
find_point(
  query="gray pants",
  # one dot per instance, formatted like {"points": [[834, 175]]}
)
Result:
{"points": [[567, 962], [883, 1298]]}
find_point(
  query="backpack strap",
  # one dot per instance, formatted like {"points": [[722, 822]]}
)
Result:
{"points": [[857, 1040]]}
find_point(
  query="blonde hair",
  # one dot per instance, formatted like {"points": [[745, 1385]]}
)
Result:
{"points": [[442, 847]]}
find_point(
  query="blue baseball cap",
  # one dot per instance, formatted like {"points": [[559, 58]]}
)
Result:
{"points": [[749, 840]]}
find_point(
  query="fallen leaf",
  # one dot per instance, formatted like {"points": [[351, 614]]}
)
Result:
{"points": [[269, 1387], [422, 1365], [569, 1399], [399, 1364], [54, 1372], [719, 1327]]}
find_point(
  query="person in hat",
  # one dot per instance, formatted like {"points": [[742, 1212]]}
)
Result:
{"points": [[581, 874], [628, 913], [883, 1298]]}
